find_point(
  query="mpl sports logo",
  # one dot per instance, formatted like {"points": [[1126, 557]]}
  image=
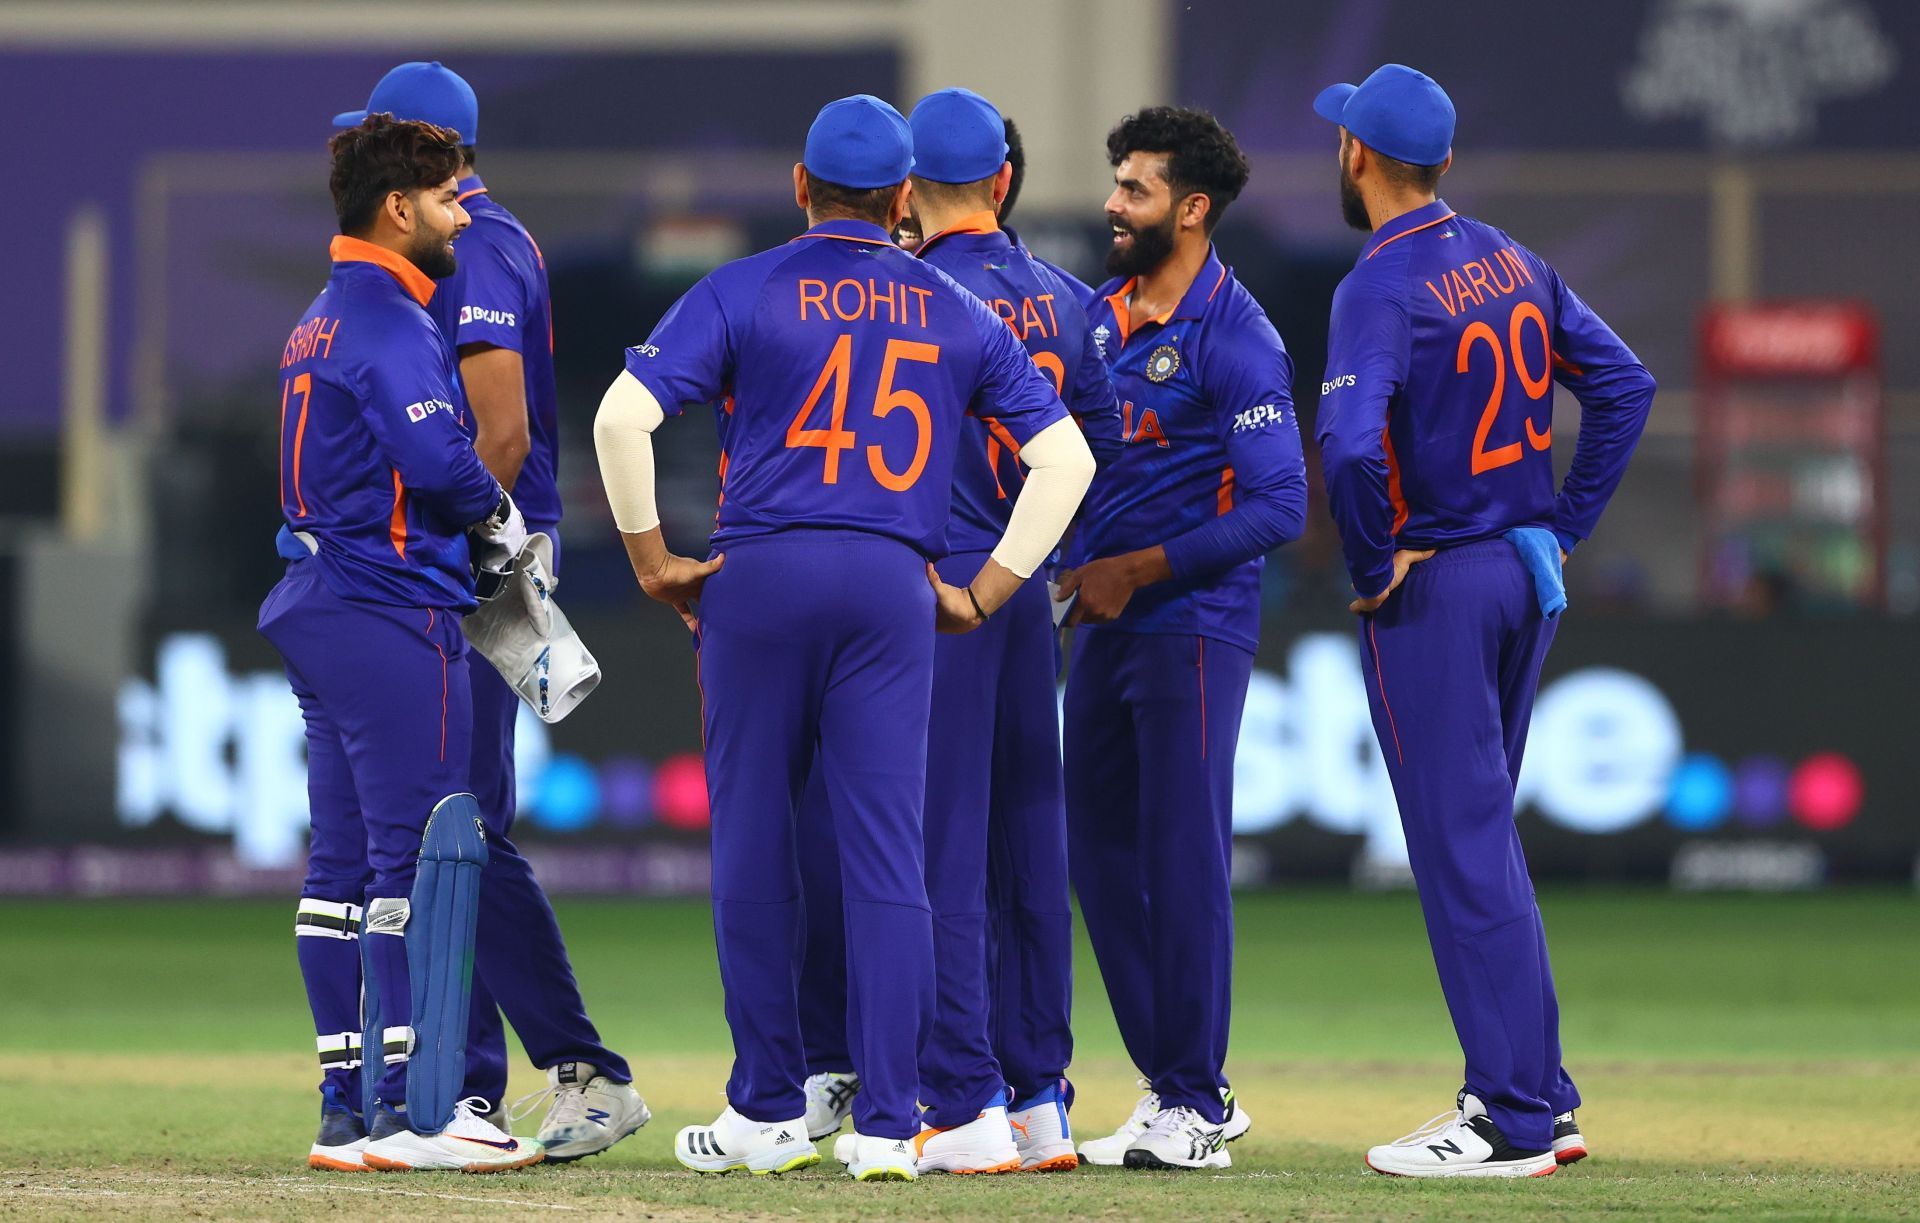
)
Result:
{"points": [[1333, 384], [1260, 416], [417, 412], [484, 314]]}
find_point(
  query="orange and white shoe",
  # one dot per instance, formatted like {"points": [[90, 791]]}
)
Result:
{"points": [[342, 1138], [469, 1143], [983, 1145], [1041, 1133]]}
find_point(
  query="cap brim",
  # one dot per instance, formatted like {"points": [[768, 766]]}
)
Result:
{"points": [[352, 118], [1332, 102]]}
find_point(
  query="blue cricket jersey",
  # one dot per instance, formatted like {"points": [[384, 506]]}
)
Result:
{"points": [[1081, 290], [1044, 316], [499, 296], [1436, 416], [846, 367], [1212, 467], [373, 464]]}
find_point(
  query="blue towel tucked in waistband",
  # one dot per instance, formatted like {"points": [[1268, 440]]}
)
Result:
{"points": [[1539, 551]]}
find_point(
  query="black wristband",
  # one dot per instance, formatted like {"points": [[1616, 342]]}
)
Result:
{"points": [[975, 600]]}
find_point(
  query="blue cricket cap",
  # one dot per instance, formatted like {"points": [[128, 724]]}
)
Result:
{"points": [[958, 137], [859, 142], [1396, 111], [431, 93]]}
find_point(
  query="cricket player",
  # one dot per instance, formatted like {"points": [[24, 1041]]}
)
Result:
{"points": [[996, 854], [1166, 574], [1436, 431], [496, 312], [847, 367], [379, 488]]}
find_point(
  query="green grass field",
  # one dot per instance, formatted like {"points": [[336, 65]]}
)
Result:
{"points": [[1741, 1056]]}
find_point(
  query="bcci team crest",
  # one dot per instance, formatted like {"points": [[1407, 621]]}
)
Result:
{"points": [[1163, 364]]}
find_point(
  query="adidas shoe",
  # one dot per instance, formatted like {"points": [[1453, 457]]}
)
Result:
{"points": [[1041, 1133], [1569, 1146], [468, 1143], [1180, 1138], [732, 1141], [983, 1145], [876, 1159], [589, 1111], [343, 1136], [829, 1101], [1111, 1151], [1464, 1142]]}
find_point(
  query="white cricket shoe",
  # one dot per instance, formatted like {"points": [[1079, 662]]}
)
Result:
{"points": [[733, 1141], [589, 1111], [468, 1144], [982, 1146], [1111, 1151], [1464, 1142], [1041, 1133], [876, 1159], [1569, 1145], [829, 1102], [1180, 1138]]}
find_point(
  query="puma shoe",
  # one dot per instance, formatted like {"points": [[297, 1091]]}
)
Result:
{"points": [[759, 1147], [1111, 1151], [1180, 1138], [983, 1145], [587, 1113], [343, 1136], [469, 1143], [1569, 1146], [829, 1101], [1464, 1142], [1041, 1133]]}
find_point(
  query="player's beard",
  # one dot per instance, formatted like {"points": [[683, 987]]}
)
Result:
{"points": [[434, 255], [1149, 248], [1353, 209]]}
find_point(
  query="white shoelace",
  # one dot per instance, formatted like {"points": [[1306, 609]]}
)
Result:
{"points": [[569, 1104], [473, 1111], [1148, 1107], [1438, 1125]]}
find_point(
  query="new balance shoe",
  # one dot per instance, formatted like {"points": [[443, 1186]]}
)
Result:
{"points": [[983, 1145], [469, 1143], [1180, 1138], [876, 1159], [1041, 1133], [1569, 1146], [1464, 1142], [1111, 1151], [733, 1142], [343, 1135], [588, 1112], [829, 1101]]}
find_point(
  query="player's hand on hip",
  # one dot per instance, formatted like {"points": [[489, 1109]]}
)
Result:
{"points": [[953, 611], [1403, 560], [1105, 587], [678, 582]]}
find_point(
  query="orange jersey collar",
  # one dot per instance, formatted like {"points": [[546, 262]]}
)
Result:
{"points": [[986, 221], [417, 283]]}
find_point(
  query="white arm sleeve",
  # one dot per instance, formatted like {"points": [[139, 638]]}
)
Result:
{"points": [[622, 437], [1059, 469]]}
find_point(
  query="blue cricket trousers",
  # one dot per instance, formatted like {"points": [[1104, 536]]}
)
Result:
{"points": [[818, 641], [1452, 662], [1152, 724]]}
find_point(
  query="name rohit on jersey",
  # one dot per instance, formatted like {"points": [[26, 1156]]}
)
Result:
{"points": [[851, 301], [486, 314], [417, 412], [1260, 416]]}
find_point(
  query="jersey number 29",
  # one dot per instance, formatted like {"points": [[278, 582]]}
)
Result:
{"points": [[1500, 456]]}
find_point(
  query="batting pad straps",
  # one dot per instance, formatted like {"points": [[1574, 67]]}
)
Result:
{"points": [[341, 1051], [396, 1045], [326, 919]]}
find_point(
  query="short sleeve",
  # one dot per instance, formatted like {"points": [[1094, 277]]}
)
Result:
{"points": [[689, 358]]}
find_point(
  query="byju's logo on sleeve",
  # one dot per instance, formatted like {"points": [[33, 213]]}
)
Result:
{"points": [[484, 314], [417, 412], [1333, 384]]}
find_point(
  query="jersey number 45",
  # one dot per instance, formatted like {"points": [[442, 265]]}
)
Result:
{"points": [[837, 373]]}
